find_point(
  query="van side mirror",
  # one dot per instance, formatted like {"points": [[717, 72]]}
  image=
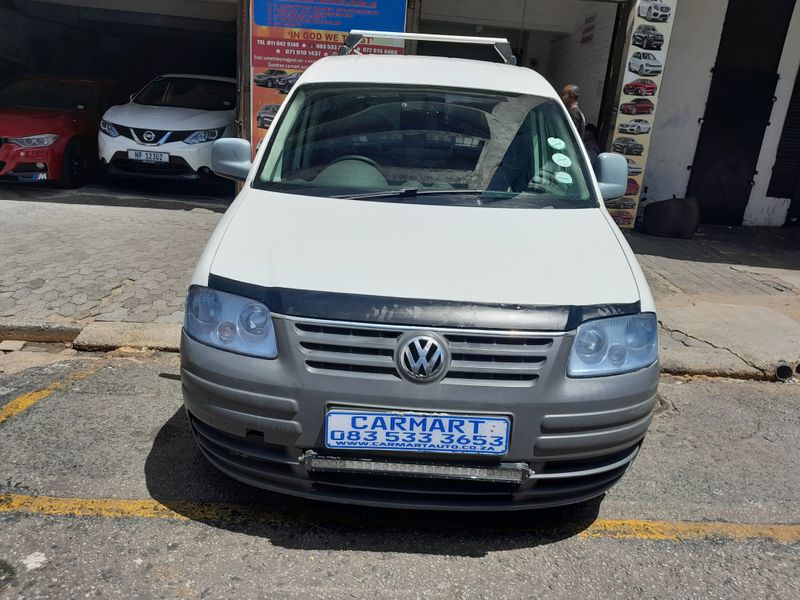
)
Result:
{"points": [[230, 157], [612, 175]]}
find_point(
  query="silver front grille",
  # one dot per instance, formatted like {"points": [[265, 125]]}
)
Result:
{"points": [[478, 357]]}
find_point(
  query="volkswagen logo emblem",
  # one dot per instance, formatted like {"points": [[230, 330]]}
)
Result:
{"points": [[422, 358], [149, 136]]}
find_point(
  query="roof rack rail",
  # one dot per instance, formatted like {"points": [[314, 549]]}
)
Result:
{"points": [[356, 36]]}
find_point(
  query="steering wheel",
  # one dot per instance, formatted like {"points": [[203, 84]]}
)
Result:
{"points": [[358, 157], [545, 183]]}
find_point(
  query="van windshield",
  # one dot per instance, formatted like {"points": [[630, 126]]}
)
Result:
{"points": [[431, 146]]}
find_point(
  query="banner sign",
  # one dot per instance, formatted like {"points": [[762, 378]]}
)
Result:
{"points": [[287, 36], [332, 15], [641, 83]]}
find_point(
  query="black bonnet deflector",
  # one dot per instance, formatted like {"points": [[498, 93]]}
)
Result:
{"points": [[360, 308]]}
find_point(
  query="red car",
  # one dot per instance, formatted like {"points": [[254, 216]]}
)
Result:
{"points": [[640, 87], [637, 106], [48, 128], [633, 188]]}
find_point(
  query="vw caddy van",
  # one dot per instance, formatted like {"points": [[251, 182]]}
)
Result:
{"points": [[418, 298]]}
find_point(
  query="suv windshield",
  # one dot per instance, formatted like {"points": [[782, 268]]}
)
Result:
{"points": [[439, 146], [49, 93], [189, 92]]}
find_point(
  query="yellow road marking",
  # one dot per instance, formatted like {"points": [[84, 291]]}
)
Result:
{"points": [[678, 531], [17, 405], [625, 529], [123, 508]]}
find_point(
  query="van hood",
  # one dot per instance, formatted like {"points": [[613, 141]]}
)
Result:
{"points": [[535, 257], [167, 118]]}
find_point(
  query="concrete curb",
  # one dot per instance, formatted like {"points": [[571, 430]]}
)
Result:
{"points": [[709, 363], [110, 336], [42, 331]]}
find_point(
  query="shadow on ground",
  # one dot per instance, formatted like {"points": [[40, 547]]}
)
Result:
{"points": [[770, 247], [212, 193], [179, 477]]}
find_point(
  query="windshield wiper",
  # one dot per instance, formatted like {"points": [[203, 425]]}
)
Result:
{"points": [[400, 195]]}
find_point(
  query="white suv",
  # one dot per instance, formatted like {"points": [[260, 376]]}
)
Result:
{"points": [[645, 63], [418, 298], [168, 128], [654, 10]]}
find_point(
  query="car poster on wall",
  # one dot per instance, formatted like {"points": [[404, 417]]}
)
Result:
{"points": [[641, 82], [287, 36]]}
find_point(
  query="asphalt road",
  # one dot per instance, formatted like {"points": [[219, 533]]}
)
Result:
{"points": [[103, 494]]}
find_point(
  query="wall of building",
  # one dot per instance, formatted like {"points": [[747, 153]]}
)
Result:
{"points": [[15, 48], [581, 57], [537, 52], [684, 90], [216, 10], [132, 47], [762, 210], [542, 15]]}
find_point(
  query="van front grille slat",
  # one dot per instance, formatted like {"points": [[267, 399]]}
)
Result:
{"points": [[513, 359]]}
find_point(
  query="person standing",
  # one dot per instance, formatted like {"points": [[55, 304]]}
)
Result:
{"points": [[590, 142], [569, 96]]}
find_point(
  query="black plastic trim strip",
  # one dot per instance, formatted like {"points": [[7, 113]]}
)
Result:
{"points": [[361, 308]]}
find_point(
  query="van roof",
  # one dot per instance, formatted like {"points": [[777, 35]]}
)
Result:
{"points": [[432, 71]]}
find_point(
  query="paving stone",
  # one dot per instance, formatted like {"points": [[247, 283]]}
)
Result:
{"points": [[56, 258], [131, 303], [11, 345]]}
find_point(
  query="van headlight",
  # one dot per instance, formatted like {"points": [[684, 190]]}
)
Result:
{"points": [[614, 345], [230, 322]]}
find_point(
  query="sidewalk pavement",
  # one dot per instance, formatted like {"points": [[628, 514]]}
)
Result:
{"points": [[728, 300]]}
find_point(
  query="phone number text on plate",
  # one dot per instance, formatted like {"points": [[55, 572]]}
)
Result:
{"points": [[410, 432]]}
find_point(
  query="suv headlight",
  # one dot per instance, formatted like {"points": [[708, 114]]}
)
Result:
{"points": [[204, 135], [109, 129], [230, 322], [34, 141], [613, 346]]}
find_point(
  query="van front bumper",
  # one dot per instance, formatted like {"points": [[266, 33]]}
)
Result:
{"points": [[259, 421]]}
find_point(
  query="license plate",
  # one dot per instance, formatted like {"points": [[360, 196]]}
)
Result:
{"points": [[417, 432], [147, 156]]}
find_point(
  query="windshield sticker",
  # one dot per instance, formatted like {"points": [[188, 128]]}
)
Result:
{"points": [[562, 160], [556, 143], [564, 178]]}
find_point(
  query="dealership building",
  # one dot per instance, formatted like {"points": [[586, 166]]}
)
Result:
{"points": [[716, 112]]}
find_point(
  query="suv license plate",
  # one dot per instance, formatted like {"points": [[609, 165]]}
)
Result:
{"points": [[417, 432], [147, 156]]}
